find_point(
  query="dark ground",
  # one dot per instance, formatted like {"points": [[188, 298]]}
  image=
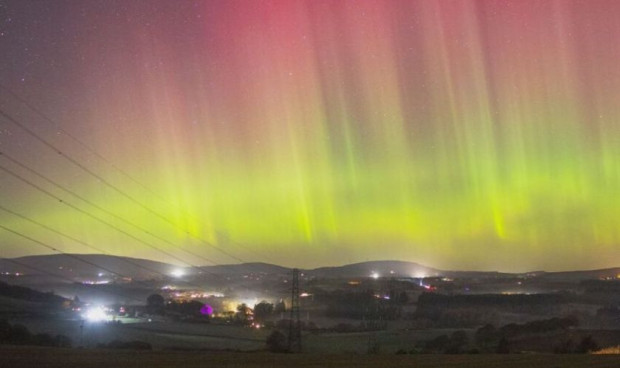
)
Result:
{"points": [[16, 357]]}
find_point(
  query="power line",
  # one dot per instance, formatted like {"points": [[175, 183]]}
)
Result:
{"points": [[72, 281], [79, 141], [77, 257], [2, 154], [124, 259], [294, 332], [107, 183], [199, 269], [72, 256], [85, 169], [92, 151], [92, 216], [87, 245]]}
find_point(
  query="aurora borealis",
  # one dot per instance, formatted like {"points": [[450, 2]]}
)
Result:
{"points": [[459, 134]]}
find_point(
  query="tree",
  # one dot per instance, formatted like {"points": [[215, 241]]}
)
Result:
{"points": [[280, 307], [244, 313], [587, 345], [191, 308], [486, 336], [276, 342], [438, 344], [20, 335], [155, 304], [457, 341], [262, 310]]}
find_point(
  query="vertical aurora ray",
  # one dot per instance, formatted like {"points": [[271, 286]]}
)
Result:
{"points": [[466, 134]]}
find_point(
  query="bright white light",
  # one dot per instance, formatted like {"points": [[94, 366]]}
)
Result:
{"points": [[178, 273], [96, 314], [374, 275]]}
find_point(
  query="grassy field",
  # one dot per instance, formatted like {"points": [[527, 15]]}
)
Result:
{"points": [[159, 335], [16, 357]]}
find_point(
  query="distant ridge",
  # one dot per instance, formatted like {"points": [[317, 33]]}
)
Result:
{"points": [[243, 268], [69, 267], [380, 268]]}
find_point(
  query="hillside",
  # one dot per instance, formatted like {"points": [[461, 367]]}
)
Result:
{"points": [[55, 269], [380, 268], [87, 266]]}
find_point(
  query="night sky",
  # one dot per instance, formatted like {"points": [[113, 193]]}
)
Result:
{"points": [[475, 135]]}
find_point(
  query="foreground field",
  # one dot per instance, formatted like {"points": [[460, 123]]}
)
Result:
{"points": [[16, 357]]}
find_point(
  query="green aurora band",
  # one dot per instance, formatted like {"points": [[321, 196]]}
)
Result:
{"points": [[462, 134]]}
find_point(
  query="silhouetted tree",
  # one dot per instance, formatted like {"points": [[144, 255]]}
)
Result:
{"points": [[458, 340], [191, 308], [587, 345], [155, 304], [438, 344], [262, 310], [244, 313], [20, 335], [486, 336]]}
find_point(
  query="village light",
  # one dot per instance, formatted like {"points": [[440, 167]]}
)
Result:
{"points": [[177, 273], [96, 314]]}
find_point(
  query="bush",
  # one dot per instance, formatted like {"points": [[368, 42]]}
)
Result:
{"points": [[486, 335], [587, 345], [276, 342], [43, 339], [62, 341], [565, 347], [263, 310], [20, 335], [155, 304]]}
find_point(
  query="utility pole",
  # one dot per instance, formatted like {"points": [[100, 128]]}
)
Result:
{"points": [[294, 330]]}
